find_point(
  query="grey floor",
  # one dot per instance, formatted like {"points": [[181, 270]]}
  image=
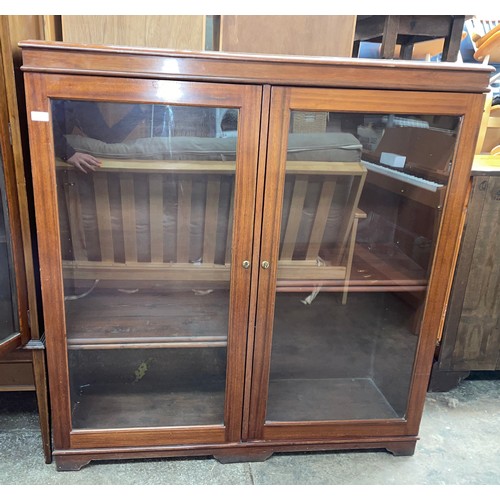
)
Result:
{"points": [[459, 445]]}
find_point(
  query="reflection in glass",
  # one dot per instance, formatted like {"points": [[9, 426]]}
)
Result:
{"points": [[8, 308], [146, 212], [361, 210]]}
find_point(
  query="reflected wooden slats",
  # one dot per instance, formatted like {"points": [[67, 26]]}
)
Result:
{"points": [[171, 218], [77, 234], [156, 216], [211, 217], [103, 214], [170, 214], [320, 219], [185, 188], [348, 226], [128, 216], [294, 217]]}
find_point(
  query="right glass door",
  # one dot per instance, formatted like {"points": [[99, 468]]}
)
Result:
{"points": [[345, 278]]}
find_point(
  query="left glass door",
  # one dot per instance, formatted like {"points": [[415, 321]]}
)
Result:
{"points": [[151, 185], [145, 196]]}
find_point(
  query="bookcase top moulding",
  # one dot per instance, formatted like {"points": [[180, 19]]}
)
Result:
{"points": [[330, 72]]}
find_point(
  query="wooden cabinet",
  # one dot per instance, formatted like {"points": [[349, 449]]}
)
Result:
{"points": [[471, 335], [293, 35], [239, 274], [175, 32], [22, 356]]}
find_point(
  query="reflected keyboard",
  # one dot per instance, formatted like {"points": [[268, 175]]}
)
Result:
{"points": [[402, 176]]}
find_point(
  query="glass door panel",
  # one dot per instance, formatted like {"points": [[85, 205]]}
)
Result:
{"points": [[8, 304], [146, 200], [361, 208]]}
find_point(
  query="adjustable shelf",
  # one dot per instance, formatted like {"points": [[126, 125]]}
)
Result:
{"points": [[110, 319]]}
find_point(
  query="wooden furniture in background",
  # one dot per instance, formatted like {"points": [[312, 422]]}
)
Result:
{"points": [[471, 335], [407, 31], [489, 131], [300, 35], [29, 358], [126, 378], [174, 32], [485, 36], [16, 372]]}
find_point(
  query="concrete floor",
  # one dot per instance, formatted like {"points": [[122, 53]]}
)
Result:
{"points": [[459, 444]]}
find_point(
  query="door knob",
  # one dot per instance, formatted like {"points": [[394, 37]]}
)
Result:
{"points": [[265, 264], [246, 264]]}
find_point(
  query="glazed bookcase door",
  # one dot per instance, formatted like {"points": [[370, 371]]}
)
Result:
{"points": [[144, 274], [349, 300], [9, 327], [14, 327]]}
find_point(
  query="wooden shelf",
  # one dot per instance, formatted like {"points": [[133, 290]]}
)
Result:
{"points": [[119, 406], [348, 399], [110, 319]]}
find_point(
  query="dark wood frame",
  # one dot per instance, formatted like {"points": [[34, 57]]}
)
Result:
{"points": [[16, 158], [61, 71]]}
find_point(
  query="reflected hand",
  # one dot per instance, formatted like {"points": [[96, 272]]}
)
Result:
{"points": [[84, 162]]}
